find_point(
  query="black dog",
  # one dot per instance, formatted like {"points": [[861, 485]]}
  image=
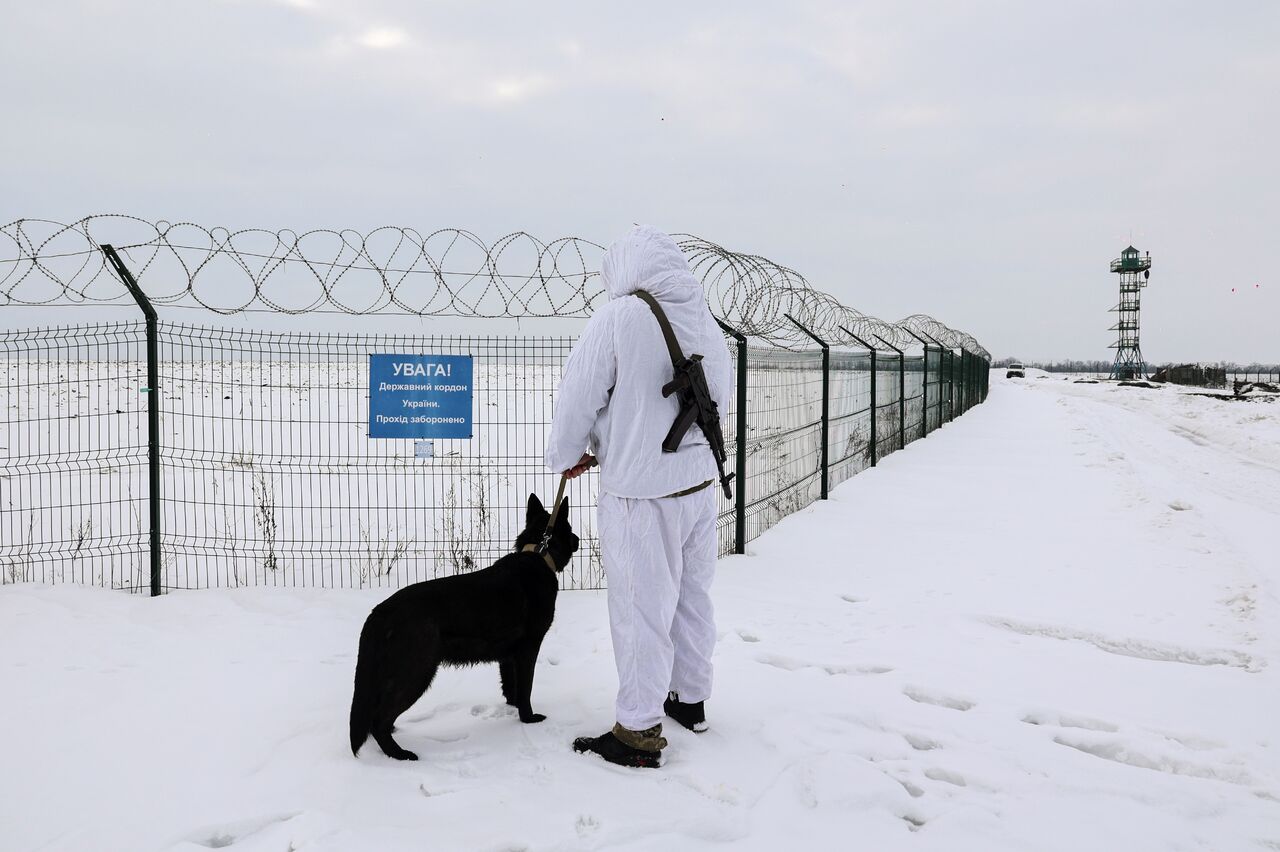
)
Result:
{"points": [[498, 614]]}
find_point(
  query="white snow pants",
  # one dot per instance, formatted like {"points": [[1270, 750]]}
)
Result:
{"points": [[659, 558]]}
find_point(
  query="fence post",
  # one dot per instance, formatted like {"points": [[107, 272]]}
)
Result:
{"points": [[964, 379], [872, 350], [826, 387], [740, 428], [152, 391], [902, 391]]}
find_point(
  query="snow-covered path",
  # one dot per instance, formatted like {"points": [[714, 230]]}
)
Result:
{"points": [[1052, 625]]}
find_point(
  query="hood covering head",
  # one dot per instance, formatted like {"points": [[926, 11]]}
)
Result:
{"points": [[646, 259]]}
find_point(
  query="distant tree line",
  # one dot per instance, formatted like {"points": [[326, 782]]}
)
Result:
{"points": [[1105, 366], [1059, 366], [1255, 367]]}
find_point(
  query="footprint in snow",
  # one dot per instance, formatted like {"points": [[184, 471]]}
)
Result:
{"points": [[790, 664], [921, 696], [431, 794], [230, 835], [1064, 721], [492, 711], [920, 743], [912, 790], [1193, 741], [946, 776], [748, 636], [852, 599]]}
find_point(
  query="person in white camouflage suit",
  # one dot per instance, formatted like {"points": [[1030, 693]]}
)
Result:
{"points": [[657, 510]]}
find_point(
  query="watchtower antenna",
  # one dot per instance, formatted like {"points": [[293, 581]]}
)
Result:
{"points": [[1134, 271]]}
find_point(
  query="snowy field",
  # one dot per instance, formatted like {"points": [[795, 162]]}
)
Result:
{"points": [[1052, 625]]}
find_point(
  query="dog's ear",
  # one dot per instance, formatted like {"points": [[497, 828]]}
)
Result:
{"points": [[562, 519], [535, 513]]}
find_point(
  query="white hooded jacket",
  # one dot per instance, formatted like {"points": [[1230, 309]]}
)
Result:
{"points": [[610, 396]]}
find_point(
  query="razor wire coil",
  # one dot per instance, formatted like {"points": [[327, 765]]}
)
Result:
{"points": [[394, 270]]}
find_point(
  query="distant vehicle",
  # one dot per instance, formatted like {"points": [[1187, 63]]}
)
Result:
{"points": [[1016, 371]]}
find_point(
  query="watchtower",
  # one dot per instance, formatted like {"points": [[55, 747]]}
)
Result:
{"points": [[1134, 271]]}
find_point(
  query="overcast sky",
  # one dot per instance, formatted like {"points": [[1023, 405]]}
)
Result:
{"points": [[978, 161]]}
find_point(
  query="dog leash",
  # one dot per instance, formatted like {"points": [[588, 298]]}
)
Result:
{"points": [[555, 511], [541, 547]]}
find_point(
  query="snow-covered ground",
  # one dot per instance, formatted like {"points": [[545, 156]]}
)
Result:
{"points": [[1052, 625]]}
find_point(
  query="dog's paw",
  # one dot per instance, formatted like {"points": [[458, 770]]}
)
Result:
{"points": [[531, 718]]}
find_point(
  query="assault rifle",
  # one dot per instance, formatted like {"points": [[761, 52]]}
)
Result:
{"points": [[696, 404]]}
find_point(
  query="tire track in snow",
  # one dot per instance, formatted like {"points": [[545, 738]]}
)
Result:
{"points": [[1119, 751], [1160, 652]]}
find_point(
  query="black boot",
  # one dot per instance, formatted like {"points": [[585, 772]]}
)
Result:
{"points": [[692, 716], [614, 750]]}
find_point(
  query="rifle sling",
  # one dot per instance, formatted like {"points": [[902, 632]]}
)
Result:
{"points": [[673, 345]]}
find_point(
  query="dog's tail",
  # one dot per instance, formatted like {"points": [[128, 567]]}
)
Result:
{"points": [[366, 685]]}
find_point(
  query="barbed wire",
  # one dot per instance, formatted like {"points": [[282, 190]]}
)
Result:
{"points": [[764, 299], [393, 270]]}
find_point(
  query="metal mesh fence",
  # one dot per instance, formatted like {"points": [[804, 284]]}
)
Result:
{"points": [[889, 407], [268, 476], [73, 455], [849, 439], [915, 397], [933, 389], [784, 437], [1253, 376], [271, 477]]}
